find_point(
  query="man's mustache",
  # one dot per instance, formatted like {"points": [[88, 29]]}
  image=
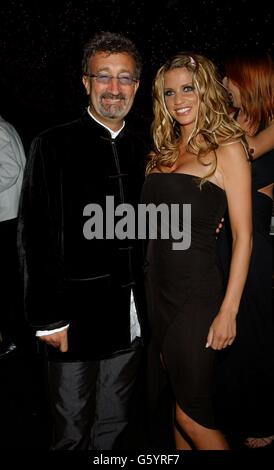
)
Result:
{"points": [[111, 96]]}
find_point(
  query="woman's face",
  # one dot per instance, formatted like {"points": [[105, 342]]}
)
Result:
{"points": [[233, 91], [180, 96]]}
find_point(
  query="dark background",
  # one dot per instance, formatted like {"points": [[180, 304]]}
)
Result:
{"points": [[41, 48]]}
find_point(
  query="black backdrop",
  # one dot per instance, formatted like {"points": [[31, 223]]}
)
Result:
{"points": [[41, 48]]}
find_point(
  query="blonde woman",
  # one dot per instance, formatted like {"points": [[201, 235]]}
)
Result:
{"points": [[198, 160]]}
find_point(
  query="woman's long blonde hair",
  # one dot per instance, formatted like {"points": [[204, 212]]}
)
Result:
{"points": [[213, 122]]}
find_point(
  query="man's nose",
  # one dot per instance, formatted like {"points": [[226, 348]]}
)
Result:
{"points": [[114, 85]]}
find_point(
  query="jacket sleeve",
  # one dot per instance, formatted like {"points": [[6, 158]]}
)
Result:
{"points": [[9, 168], [39, 238]]}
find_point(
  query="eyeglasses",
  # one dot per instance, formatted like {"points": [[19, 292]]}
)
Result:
{"points": [[106, 79]]}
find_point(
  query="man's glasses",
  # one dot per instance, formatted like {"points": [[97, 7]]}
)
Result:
{"points": [[106, 79]]}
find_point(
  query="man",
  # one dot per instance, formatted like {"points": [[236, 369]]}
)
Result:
{"points": [[12, 162], [82, 293]]}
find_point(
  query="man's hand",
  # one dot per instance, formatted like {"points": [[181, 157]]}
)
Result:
{"points": [[57, 340]]}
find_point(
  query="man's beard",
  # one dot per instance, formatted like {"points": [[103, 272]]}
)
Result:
{"points": [[113, 110]]}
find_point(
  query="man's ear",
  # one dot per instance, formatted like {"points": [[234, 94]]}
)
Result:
{"points": [[86, 83], [137, 84]]}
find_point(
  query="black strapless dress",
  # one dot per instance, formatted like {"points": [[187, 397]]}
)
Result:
{"points": [[185, 290]]}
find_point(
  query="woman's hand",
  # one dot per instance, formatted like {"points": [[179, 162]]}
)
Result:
{"points": [[222, 331]]}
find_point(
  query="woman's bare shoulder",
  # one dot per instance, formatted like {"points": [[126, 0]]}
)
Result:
{"points": [[232, 157], [233, 149]]}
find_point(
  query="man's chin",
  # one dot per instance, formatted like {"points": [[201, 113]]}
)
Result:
{"points": [[114, 114]]}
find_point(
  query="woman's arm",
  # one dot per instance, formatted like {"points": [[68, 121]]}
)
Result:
{"points": [[262, 142], [237, 183]]}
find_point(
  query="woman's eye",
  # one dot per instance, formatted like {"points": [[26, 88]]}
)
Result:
{"points": [[188, 89], [184, 89], [168, 93]]}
